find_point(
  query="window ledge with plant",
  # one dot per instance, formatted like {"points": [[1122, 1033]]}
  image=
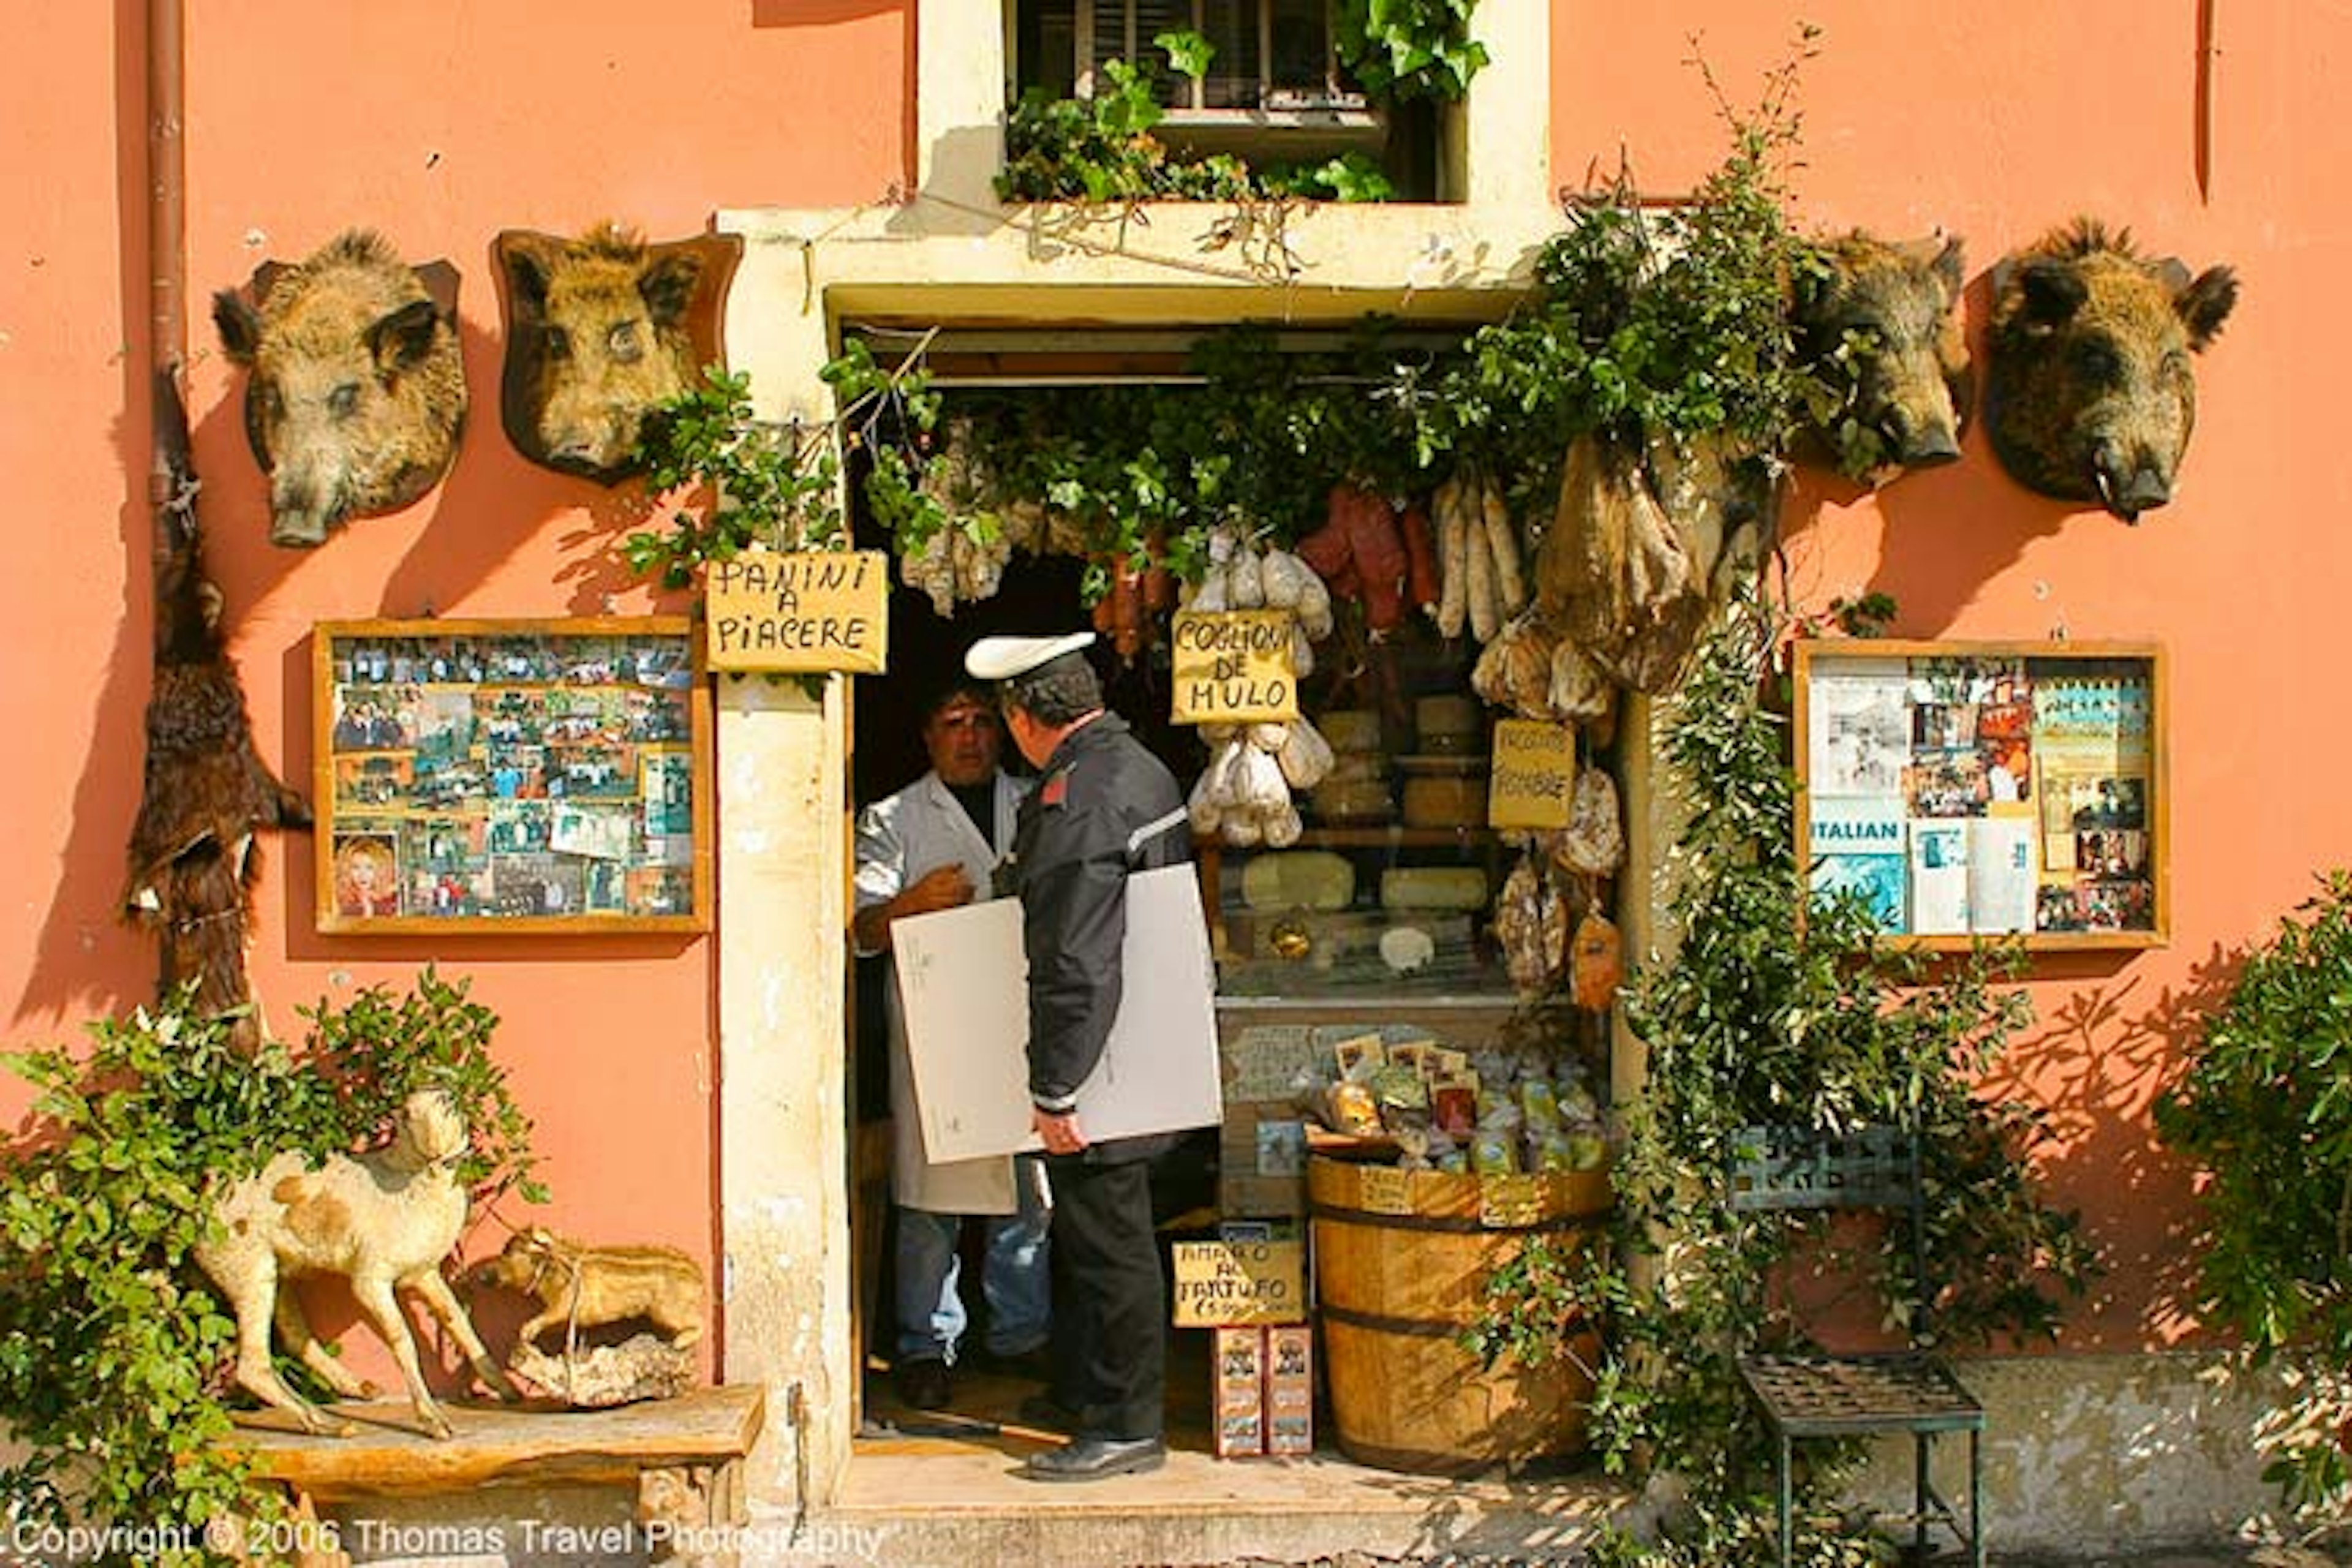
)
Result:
{"points": [[1336, 106]]}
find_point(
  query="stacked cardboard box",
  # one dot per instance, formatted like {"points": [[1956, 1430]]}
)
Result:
{"points": [[1264, 1390]]}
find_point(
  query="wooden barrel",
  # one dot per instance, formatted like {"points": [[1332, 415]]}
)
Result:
{"points": [[1401, 1261]]}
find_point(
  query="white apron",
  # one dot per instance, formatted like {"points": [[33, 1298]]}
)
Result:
{"points": [[900, 840]]}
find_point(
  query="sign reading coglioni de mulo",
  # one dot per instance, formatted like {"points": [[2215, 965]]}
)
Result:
{"points": [[1233, 667], [807, 611]]}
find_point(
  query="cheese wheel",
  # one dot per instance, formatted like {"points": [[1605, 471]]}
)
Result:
{"points": [[1350, 730], [1446, 800], [1433, 888], [1298, 879]]}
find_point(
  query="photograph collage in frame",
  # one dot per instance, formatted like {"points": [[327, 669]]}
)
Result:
{"points": [[512, 775], [1969, 790]]}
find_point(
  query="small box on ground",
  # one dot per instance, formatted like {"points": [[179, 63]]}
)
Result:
{"points": [[1240, 1401], [1264, 1395], [1290, 1389]]}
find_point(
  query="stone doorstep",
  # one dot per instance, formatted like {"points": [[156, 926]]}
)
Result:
{"points": [[942, 1510]]}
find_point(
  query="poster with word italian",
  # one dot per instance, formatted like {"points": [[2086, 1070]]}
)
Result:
{"points": [[1978, 790]]}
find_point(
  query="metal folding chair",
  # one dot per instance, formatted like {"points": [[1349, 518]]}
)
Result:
{"points": [[1820, 1395]]}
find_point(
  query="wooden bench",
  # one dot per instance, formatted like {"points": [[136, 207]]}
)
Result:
{"points": [[682, 1457]]}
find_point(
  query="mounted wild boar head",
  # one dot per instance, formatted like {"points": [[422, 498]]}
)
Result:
{"points": [[2091, 395], [1882, 323], [599, 331], [358, 393]]}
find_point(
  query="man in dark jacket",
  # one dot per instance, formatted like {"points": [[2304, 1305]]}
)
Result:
{"points": [[1103, 807]]}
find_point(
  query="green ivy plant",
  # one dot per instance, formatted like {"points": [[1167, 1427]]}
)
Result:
{"points": [[728, 481], [113, 1348], [2263, 1106], [1101, 150], [1780, 1007], [1649, 322], [1146, 471], [1406, 50]]}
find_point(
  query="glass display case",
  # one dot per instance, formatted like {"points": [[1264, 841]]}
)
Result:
{"points": [[1354, 913]]}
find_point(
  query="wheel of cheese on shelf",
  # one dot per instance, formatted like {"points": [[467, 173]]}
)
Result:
{"points": [[1433, 888], [1350, 730], [1298, 879], [1405, 949]]}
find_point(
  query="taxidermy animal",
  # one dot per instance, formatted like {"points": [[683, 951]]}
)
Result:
{"points": [[194, 863], [599, 330], [385, 1221], [357, 395], [2091, 395], [1884, 323], [582, 1287]]}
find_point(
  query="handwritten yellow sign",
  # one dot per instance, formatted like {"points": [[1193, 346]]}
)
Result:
{"points": [[1534, 772], [1233, 667], [807, 611], [1222, 1282]]}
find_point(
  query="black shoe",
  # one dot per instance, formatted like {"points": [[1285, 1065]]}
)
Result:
{"points": [[1044, 1410], [1095, 1458], [923, 1385]]}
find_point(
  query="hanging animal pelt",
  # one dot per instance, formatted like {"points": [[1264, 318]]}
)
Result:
{"points": [[192, 860]]}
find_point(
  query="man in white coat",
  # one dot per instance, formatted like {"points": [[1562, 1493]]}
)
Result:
{"points": [[933, 845]]}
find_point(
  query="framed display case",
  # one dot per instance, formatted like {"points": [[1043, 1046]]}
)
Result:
{"points": [[512, 775], [1973, 790], [1356, 912]]}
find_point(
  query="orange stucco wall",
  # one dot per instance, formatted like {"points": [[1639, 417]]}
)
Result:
{"points": [[440, 122], [1998, 122]]}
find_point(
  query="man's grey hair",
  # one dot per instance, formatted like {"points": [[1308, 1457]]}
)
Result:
{"points": [[1056, 692]]}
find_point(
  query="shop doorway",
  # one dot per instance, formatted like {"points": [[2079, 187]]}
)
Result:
{"points": [[1040, 595], [967, 1455]]}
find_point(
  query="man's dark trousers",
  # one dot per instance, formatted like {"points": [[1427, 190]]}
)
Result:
{"points": [[1110, 1336]]}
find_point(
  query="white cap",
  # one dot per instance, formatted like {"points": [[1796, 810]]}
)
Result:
{"points": [[1002, 659]]}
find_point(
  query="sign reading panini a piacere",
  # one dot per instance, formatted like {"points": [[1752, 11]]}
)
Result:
{"points": [[806, 612]]}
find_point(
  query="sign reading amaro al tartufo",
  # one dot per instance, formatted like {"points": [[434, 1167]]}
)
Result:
{"points": [[805, 612]]}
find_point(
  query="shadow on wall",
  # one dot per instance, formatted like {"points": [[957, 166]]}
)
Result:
{"points": [[84, 950], [964, 164], [494, 501], [2097, 1062]]}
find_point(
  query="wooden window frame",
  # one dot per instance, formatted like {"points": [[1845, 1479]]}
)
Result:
{"points": [[1333, 99]]}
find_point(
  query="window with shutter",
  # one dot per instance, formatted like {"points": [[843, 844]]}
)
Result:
{"points": [[1270, 53], [1275, 91]]}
